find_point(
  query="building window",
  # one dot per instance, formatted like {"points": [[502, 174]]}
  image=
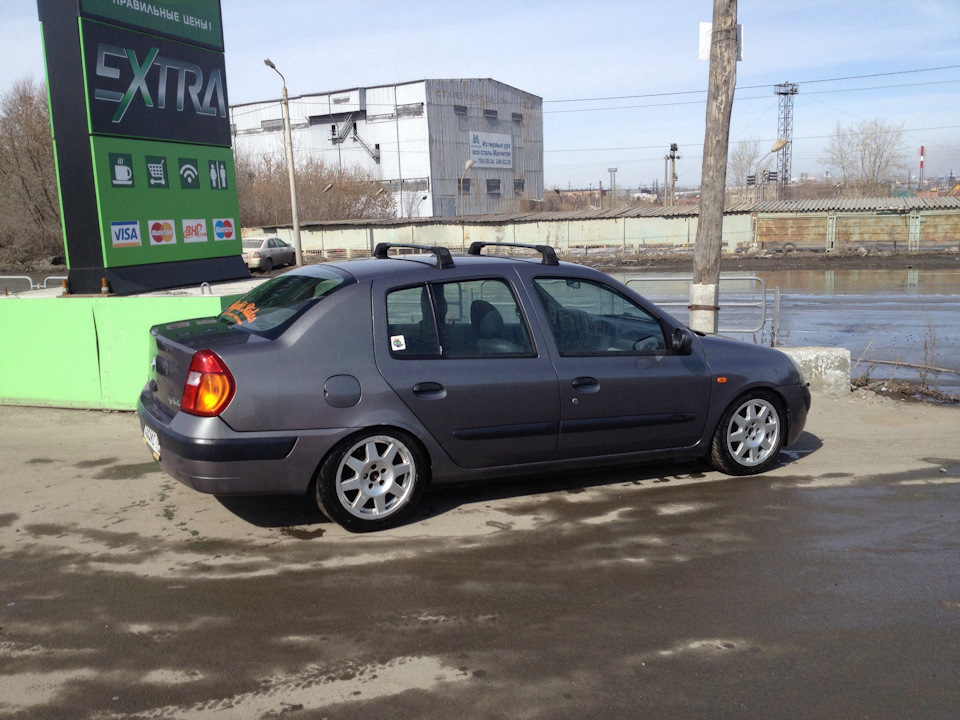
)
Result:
{"points": [[518, 185], [460, 109], [410, 110], [271, 125], [517, 117], [416, 185], [464, 186], [493, 187], [490, 114]]}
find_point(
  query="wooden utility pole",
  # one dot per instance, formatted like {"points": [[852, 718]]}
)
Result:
{"points": [[706, 255]]}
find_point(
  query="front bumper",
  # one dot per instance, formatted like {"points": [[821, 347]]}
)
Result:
{"points": [[798, 402]]}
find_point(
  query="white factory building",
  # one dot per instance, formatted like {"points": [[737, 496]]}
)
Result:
{"points": [[416, 138]]}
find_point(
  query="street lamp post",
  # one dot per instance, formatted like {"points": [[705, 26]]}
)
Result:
{"points": [[466, 166], [777, 146], [288, 137]]}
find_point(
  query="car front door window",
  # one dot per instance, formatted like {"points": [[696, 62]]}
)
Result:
{"points": [[587, 318]]}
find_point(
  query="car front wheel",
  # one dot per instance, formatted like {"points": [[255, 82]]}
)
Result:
{"points": [[372, 481], [750, 435]]}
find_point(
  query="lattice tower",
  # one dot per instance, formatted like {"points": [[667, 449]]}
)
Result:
{"points": [[785, 92]]}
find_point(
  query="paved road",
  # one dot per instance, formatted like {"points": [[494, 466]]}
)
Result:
{"points": [[829, 588]]}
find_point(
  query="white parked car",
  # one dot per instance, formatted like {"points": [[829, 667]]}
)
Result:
{"points": [[267, 253]]}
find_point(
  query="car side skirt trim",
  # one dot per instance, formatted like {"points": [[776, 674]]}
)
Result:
{"points": [[498, 432], [625, 421]]}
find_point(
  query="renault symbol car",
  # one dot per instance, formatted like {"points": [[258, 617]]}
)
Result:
{"points": [[362, 382]]}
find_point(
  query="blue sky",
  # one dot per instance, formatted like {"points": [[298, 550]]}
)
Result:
{"points": [[578, 50]]}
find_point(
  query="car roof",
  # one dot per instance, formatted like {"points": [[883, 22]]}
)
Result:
{"points": [[419, 267]]}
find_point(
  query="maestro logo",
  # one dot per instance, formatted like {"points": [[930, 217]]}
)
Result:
{"points": [[194, 231], [162, 232], [223, 229]]}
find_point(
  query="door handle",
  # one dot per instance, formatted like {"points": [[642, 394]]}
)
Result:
{"points": [[586, 384], [430, 390]]}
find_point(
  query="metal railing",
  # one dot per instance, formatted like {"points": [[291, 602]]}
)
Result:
{"points": [[765, 298], [31, 285]]}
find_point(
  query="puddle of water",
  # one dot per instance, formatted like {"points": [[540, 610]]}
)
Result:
{"points": [[905, 315]]}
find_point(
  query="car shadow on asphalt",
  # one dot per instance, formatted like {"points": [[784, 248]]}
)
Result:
{"points": [[274, 511], [441, 500], [285, 511]]}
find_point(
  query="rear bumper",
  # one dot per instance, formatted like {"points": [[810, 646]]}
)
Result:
{"points": [[207, 455], [252, 262], [798, 405]]}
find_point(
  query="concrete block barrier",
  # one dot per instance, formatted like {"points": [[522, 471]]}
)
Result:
{"points": [[827, 369]]}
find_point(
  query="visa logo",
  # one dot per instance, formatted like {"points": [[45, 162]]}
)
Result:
{"points": [[125, 233]]}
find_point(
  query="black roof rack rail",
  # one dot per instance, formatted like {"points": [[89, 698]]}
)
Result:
{"points": [[444, 259], [548, 253]]}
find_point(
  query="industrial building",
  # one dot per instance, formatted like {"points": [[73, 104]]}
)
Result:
{"points": [[416, 138]]}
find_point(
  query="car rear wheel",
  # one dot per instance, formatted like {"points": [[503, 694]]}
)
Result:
{"points": [[750, 435], [267, 265], [372, 481]]}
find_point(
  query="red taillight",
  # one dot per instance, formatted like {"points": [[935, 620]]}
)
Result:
{"points": [[209, 387]]}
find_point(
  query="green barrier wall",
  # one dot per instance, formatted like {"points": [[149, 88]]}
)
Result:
{"points": [[85, 352]]}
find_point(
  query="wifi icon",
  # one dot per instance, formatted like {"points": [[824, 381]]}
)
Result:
{"points": [[189, 175]]}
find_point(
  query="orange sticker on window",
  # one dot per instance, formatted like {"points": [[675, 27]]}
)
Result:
{"points": [[242, 312]]}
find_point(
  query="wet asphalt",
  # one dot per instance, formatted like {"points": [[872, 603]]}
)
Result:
{"points": [[634, 594]]}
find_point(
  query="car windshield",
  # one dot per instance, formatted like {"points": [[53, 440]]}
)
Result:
{"points": [[270, 308]]}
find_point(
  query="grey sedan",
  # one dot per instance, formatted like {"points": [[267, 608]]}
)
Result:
{"points": [[406, 369]]}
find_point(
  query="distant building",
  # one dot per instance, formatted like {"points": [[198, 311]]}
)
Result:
{"points": [[415, 138]]}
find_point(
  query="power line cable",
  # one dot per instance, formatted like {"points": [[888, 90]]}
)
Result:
{"points": [[755, 87]]}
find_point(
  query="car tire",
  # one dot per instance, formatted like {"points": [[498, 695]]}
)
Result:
{"points": [[372, 480], [750, 434], [267, 265]]}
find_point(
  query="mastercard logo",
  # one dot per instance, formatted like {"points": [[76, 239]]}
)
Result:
{"points": [[161, 232]]}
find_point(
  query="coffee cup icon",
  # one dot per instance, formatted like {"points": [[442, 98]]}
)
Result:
{"points": [[122, 174]]}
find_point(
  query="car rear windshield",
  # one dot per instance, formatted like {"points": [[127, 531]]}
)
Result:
{"points": [[271, 308], [254, 244]]}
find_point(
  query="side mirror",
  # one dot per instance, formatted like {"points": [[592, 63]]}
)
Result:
{"points": [[681, 341]]}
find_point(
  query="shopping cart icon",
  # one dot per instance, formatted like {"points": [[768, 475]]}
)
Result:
{"points": [[158, 175]]}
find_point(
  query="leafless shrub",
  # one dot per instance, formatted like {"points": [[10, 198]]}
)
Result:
{"points": [[323, 193], [866, 156], [29, 207]]}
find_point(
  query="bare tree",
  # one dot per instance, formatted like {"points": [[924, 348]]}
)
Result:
{"points": [[324, 193], [29, 205], [742, 162], [866, 155]]}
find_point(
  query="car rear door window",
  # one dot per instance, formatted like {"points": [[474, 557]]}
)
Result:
{"points": [[463, 319], [587, 318]]}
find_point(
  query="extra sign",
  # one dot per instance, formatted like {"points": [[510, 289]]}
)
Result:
{"points": [[143, 86]]}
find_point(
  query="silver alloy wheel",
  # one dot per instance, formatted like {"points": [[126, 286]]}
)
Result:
{"points": [[753, 432], [376, 477]]}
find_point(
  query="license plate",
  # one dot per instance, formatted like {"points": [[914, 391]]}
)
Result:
{"points": [[152, 441]]}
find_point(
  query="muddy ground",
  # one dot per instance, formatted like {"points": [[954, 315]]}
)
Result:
{"points": [[827, 588]]}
